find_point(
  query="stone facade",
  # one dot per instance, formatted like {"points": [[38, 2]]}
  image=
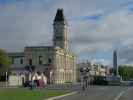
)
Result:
{"points": [[65, 66], [56, 62]]}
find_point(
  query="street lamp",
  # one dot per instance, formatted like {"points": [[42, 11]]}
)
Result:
{"points": [[6, 79]]}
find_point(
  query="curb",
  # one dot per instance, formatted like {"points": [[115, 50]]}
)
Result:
{"points": [[58, 97]]}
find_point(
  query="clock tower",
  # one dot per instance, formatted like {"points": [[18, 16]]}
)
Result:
{"points": [[60, 27]]}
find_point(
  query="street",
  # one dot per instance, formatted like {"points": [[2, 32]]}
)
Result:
{"points": [[103, 93]]}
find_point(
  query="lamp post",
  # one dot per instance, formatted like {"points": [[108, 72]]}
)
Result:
{"points": [[6, 79], [84, 71]]}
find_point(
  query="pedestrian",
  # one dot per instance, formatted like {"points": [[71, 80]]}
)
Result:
{"points": [[31, 85]]}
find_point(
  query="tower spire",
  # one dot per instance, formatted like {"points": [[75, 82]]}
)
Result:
{"points": [[115, 63], [59, 15]]}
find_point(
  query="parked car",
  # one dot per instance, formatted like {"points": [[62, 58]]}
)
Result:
{"points": [[26, 83], [100, 80], [114, 80], [29, 84]]}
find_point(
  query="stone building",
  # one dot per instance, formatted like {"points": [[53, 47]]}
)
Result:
{"points": [[57, 62], [94, 70]]}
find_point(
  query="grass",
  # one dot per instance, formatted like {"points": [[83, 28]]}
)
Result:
{"points": [[26, 94]]}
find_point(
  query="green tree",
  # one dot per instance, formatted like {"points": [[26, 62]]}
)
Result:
{"points": [[126, 72], [4, 62]]}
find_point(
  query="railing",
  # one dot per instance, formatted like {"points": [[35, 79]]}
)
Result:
{"points": [[3, 84], [63, 86]]}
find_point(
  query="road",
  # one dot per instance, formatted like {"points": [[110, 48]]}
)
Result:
{"points": [[103, 93]]}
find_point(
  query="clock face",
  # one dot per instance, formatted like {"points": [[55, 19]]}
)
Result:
{"points": [[59, 29]]}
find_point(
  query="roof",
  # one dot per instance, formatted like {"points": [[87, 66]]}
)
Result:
{"points": [[59, 16], [16, 54], [19, 70], [39, 47]]}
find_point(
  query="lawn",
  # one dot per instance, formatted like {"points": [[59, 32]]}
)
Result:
{"points": [[26, 94]]}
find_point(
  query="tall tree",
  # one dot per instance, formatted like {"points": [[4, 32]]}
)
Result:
{"points": [[126, 72], [4, 62]]}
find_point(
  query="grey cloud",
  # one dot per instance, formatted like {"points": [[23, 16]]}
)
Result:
{"points": [[23, 26], [125, 52], [30, 23]]}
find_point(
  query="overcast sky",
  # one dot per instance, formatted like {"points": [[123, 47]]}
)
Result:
{"points": [[96, 27]]}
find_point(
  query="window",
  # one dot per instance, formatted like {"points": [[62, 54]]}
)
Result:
{"points": [[30, 61], [21, 61], [40, 60], [12, 60], [49, 60]]}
